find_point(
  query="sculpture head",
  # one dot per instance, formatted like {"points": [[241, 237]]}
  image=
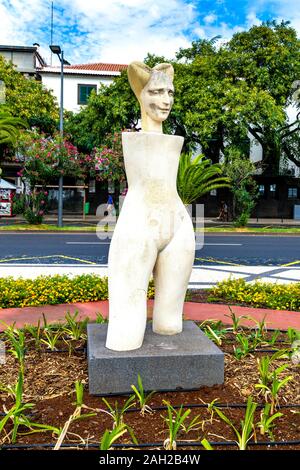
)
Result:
{"points": [[155, 92]]}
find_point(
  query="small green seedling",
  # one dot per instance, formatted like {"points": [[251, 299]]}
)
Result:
{"points": [[50, 338], [174, 421], [109, 437], [143, 399], [118, 413], [75, 329], [100, 318], [266, 423], [272, 390], [247, 424]]}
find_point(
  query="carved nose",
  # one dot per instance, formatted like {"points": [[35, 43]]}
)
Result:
{"points": [[166, 99]]}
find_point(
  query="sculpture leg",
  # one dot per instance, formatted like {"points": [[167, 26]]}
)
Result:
{"points": [[130, 266], [171, 276]]}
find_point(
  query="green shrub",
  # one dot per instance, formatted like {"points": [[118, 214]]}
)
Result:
{"points": [[241, 220], [36, 207], [52, 290], [33, 217], [260, 294], [19, 202]]}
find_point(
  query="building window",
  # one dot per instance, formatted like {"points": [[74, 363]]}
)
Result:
{"points": [[84, 92], [261, 189], [272, 189], [292, 193]]}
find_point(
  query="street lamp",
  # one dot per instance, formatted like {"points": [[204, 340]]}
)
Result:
{"points": [[60, 53]]}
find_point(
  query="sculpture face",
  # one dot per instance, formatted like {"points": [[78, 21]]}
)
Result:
{"points": [[157, 97]]}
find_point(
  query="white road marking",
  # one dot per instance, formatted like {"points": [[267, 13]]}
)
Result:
{"points": [[84, 243], [205, 244], [202, 276], [223, 244]]}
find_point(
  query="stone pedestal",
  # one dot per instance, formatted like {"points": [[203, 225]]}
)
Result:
{"points": [[184, 361]]}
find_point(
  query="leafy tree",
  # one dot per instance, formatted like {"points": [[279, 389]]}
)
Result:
{"points": [[222, 95], [241, 88], [269, 64], [290, 137], [291, 146], [26, 98], [240, 172], [9, 128], [113, 109]]}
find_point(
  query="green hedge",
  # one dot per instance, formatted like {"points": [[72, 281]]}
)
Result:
{"points": [[260, 294], [52, 290]]}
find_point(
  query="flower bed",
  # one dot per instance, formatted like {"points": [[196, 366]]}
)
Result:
{"points": [[52, 408], [53, 290], [59, 289], [259, 294]]}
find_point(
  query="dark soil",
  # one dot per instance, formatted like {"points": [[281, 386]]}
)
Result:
{"points": [[207, 296], [200, 296], [49, 384]]}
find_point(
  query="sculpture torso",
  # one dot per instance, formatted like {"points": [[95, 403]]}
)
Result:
{"points": [[152, 202], [151, 163]]}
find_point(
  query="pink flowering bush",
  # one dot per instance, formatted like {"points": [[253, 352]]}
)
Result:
{"points": [[36, 206], [43, 160], [108, 159], [46, 158]]}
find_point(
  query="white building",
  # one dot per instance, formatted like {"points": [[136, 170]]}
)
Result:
{"points": [[79, 81], [27, 59]]}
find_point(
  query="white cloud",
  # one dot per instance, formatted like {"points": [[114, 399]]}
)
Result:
{"points": [[252, 19], [93, 30], [200, 32], [123, 30], [211, 18], [223, 29], [287, 10]]}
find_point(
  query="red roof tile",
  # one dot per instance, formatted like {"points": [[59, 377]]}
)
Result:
{"points": [[98, 67]]}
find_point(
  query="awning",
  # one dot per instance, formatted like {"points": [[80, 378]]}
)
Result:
{"points": [[6, 185]]}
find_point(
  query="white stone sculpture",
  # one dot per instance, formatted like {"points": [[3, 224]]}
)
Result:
{"points": [[154, 232]]}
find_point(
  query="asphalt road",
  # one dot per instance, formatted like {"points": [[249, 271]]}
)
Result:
{"points": [[69, 248]]}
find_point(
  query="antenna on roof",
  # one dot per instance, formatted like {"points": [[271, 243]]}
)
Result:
{"points": [[51, 31]]}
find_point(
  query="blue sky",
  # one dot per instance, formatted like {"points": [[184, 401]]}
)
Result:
{"points": [[119, 31]]}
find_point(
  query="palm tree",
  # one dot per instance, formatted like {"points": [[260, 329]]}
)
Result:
{"points": [[9, 128], [197, 176]]}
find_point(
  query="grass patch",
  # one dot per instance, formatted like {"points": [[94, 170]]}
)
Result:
{"points": [[252, 229], [47, 227], [92, 228]]}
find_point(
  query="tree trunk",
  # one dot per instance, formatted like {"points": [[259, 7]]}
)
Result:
{"points": [[271, 159]]}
